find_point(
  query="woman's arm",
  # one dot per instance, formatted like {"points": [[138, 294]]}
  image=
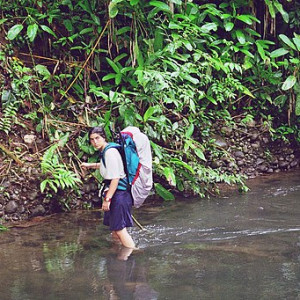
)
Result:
{"points": [[90, 165], [109, 194]]}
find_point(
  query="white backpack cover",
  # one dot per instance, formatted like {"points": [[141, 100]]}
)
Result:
{"points": [[143, 183]]}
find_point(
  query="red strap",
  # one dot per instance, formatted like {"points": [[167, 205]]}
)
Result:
{"points": [[136, 174]]}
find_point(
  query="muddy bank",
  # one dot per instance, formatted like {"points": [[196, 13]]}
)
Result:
{"points": [[245, 149]]}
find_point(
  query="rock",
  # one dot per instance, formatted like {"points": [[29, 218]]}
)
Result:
{"points": [[239, 154], [216, 164], [283, 164], [254, 136], [32, 196], [256, 145], [11, 207], [240, 162], [219, 141], [231, 164], [259, 161], [226, 130], [38, 211], [29, 138], [265, 140], [245, 149], [294, 163]]}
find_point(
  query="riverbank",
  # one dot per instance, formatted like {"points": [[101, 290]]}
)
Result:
{"points": [[246, 149]]}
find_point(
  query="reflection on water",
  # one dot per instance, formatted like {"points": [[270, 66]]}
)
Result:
{"points": [[236, 247]]}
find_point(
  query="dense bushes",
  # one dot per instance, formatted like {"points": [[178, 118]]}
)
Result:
{"points": [[170, 67]]}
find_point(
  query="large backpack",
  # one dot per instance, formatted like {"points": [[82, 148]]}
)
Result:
{"points": [[134, 147]]}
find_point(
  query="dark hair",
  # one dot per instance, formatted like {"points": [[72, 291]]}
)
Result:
{"points": [[99, 130]]}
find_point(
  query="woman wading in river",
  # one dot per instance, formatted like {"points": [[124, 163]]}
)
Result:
{"points": [[116, 203]]}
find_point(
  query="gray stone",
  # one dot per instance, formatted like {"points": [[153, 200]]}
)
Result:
{"points": [[239, 154], [245, 149], [219, 141], [259, 161], [240, 162], [216, 164], [283, 164], [11, 207], [32, 196], [254, 136], [256, 145], [265, 140], [38, 211], [262, 168], [29, 138], [294, 163]]}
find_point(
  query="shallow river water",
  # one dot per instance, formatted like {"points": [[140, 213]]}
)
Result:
{"points": [[235, 247]]}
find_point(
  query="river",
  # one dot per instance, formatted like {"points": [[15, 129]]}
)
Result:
{"points": [[239, 246]]}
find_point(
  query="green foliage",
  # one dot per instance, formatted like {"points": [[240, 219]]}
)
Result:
{"points": [[170, 67], [57, 174], [3, 228], [10, 107]]}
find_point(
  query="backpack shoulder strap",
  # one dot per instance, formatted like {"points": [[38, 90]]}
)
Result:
{"points": [[102, 153]]}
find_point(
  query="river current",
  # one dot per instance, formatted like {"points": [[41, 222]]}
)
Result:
{"points": [[239, 246]]}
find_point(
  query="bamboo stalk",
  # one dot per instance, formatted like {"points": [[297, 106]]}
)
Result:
{"points": [[86, 61]]}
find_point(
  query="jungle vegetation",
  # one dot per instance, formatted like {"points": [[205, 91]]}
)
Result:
{"points": [[171, 67]]}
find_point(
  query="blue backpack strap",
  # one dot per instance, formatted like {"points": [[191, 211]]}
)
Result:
{"points": [[110, 145]]}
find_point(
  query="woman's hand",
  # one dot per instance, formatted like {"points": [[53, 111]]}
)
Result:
{"points": [[105, 205], [89, 166]]}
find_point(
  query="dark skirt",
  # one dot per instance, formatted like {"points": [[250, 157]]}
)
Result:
{"points": [[119, 215]]}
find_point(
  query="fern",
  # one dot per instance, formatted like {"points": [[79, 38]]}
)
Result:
{"points": [[10, 108], [58, 176]]}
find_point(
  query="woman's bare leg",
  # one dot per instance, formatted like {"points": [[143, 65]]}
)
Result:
{"points": [[125, 238], [115, 237]]}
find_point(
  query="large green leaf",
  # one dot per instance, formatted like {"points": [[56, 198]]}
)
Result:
{"points": [[179, 2], [289, 83], [32, 31], [206, 28], [286, 40], [149, 112], [229, 26], [283, 13], [14, 31], [245, 18], [113, 8], [240, 36], [278, 52], [170, 176], [161, 5], [296, 41], [113, 65], [164, 193], [200, 154], [181, 163], [49, 30], [108, 76], [271, 8], [261, 50], [42, 70], [190, 131]]}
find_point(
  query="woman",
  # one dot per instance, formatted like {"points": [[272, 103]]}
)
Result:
{"points": [[117, 203]]}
